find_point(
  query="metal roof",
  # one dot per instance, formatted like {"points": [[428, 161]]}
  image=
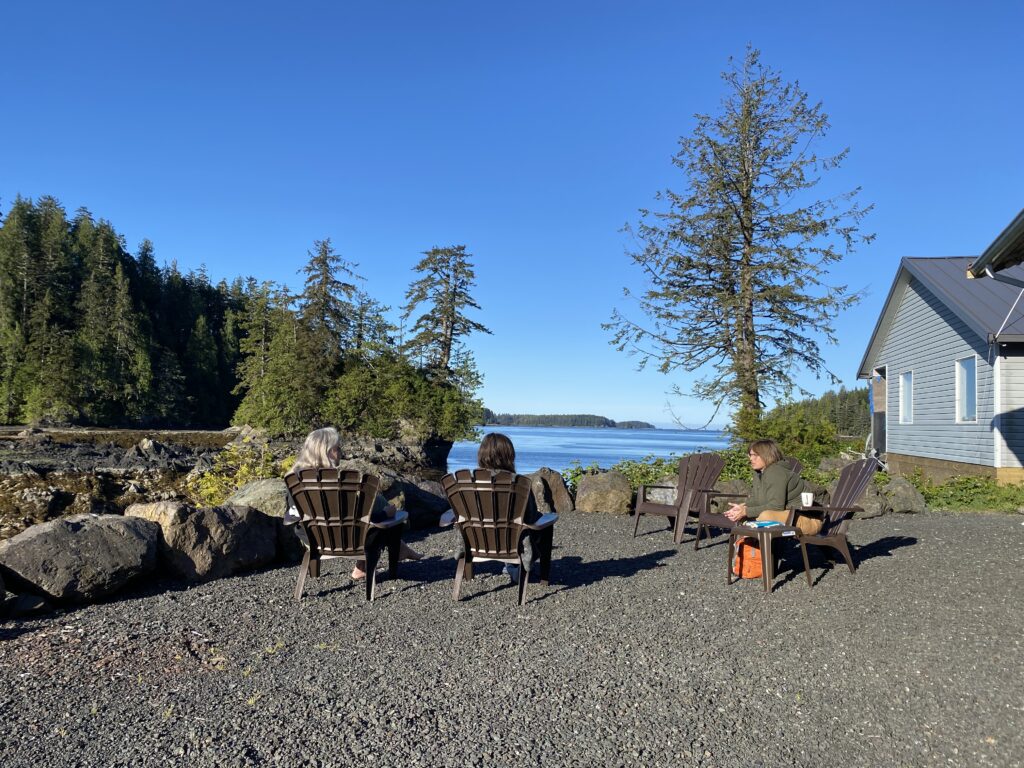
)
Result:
{"points": [[1006, 251], [988, 307]]}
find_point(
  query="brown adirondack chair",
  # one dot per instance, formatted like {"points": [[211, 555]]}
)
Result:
{"points": [[853, 482], [708, 519], [698, 474], [335, 508], [489, 512]]}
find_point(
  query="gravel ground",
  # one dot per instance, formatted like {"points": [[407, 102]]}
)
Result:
{"points": [[638, 654]]}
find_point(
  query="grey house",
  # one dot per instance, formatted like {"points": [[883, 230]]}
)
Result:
{"points": [[946, 365]]}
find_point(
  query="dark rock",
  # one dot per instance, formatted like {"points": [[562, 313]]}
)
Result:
{"points": [[605, 492], [24, 605], [873, 502], [210, 543], [904, 497], [550, 491], [271, 498], [83, 557]]}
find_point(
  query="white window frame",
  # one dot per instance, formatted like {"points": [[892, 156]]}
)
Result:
{"points": [[907, 418], [956, 390]]}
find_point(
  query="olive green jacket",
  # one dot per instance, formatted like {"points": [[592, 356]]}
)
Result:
{"points": [[775, 487]]}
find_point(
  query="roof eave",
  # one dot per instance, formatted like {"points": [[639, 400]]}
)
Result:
{"points": [[1007, 250]]}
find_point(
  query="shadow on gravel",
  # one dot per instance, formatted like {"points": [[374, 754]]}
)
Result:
{"points": [[573, 572], [826, 559]]}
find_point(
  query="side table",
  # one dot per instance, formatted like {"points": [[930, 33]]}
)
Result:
{"points": [[765, 536]]}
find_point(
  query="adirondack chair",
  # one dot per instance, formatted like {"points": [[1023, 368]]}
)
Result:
{"points": [[490, 508], [708, 519], [853, 482], [335, 509], [698, 474]]}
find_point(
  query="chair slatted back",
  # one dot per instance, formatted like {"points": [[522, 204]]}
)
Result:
{"points": [[335, 507], [853, 482], [698, 471], [490, 507]]}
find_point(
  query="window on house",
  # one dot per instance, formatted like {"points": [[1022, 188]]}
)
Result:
{"points": [[907, 397], [967, 389]]}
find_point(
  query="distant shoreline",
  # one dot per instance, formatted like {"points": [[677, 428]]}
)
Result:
{"points": [[492, 419]]}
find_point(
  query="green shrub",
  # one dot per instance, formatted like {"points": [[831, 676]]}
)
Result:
{"points": [[969, 494], [234, 467], [575, 471]]}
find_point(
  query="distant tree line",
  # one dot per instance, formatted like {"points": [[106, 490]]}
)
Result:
{"points": [[92, 334], [847, 410], [557, 420]]}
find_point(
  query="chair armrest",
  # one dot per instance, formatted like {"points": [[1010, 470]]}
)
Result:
{"points": [[400, 517], [546, 521]]}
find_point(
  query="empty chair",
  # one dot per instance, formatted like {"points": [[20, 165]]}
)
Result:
{"points": [[335, 509], [853, 482], [490, 510], [698, 474]]}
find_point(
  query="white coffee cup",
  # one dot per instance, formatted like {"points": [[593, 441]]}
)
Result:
{"points": [[807, 498]]}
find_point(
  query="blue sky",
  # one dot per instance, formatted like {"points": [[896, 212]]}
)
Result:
{"points": [[234, 134]]}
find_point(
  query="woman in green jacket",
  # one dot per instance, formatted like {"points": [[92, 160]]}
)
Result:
{"points": [[774, 491]]}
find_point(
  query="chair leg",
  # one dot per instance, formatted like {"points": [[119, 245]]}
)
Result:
{"points": [[372, 559], [637, 526], [700, 530], [460, 568], [677, 535], [524, 577], [469, 570], [394, 550], [807, 563], [303, 570], [844, 550], [545, 561], [728, 562], [314, 569]]}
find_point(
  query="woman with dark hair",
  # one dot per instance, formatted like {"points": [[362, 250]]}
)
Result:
{"points": [[322, 449], [497, 453], [775, 489]]}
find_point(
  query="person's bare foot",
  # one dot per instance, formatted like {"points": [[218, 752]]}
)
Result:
{"points": [[408, 553], [358, 571]]}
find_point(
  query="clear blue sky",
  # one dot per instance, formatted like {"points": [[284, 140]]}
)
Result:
{"points": [[233, 134]]}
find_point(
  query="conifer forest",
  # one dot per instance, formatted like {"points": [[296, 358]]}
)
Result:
{"points": [[93, 334]]}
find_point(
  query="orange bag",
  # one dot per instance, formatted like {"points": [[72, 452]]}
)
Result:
{"points": [[747, 564]]}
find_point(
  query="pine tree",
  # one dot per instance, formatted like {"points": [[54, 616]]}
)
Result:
{"points": [[736, 267], [443, 291]]}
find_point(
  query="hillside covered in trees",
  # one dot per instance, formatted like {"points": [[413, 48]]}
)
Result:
{"points": [[557, 420], [92, 334]]}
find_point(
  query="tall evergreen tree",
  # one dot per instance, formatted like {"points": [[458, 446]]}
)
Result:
{"points": [[443, 293], [736, 267]]}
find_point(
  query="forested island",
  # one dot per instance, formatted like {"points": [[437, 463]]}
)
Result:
{"points": [[558, 420]]}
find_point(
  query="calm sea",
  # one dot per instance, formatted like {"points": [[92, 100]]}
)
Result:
{"points": [[557, 447]]}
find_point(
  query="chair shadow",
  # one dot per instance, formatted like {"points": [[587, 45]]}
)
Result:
{"points": [[573, 572], [827, 558]]}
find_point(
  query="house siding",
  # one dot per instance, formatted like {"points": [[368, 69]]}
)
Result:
{"points": [[1011, 422], [927, 338]]}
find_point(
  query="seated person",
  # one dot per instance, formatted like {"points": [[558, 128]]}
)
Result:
{"points": [[323, 449], [775, 490], [497, 453]]}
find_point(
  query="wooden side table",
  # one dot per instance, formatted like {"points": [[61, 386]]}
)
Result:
{"points": [[765, 536]]}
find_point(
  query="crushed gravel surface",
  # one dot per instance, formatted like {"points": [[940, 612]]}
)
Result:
{"points": [[637, 654]]}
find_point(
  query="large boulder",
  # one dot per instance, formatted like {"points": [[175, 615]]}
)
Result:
{"points": [[605, 492], [268, 496], [873, 501], [904, 497], [271, 498], [212, 542], [550, 492], [81, 558]]}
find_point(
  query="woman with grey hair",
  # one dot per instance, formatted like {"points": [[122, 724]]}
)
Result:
{"points": [[322, 449]]}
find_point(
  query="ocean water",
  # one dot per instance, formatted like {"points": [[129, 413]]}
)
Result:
{"points": [[557, 447]]}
